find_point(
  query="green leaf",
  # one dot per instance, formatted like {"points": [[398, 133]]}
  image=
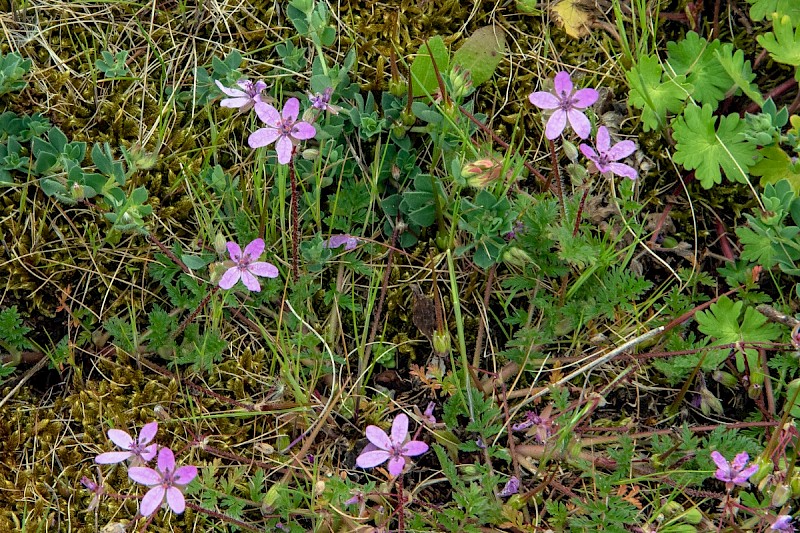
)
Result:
{"points": [[699, 147], [783, 45], [776, 165], [739, 70], [695, 58], [762, 9], [654, 97], [423, 77], [481, 53]]}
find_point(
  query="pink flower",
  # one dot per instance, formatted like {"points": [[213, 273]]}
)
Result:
{"points": [[245, 266], [511, 487], [244, 98], [606, 155], [139, 451], [166, 482], [322, 101], [782, 523], [395, 449], [734, 472], [284, 130], [567, 106], [335, 241]]}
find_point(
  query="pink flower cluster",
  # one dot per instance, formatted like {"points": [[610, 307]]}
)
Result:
{"points": [[567, 105], [167, 481]]}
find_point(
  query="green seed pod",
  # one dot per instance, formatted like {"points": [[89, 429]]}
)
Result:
{"points": [[781, 495]]}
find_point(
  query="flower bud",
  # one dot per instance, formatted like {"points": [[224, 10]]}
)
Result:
{"points": [[794, 484], [441, 342], [482, 173], [76, 191], [398, 88], [220, 244], [725, 378], [693, 516], [517, 257], [310, 154], [569, 150], [461, 81], [709, 402], [781, 495], [765, 468]]}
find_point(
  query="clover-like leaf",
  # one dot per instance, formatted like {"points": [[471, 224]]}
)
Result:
{"points": [[702, 148]]}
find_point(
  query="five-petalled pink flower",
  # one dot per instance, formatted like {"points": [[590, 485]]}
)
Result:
{"points": [[167, 482], [246, 267], [735, 472], [139, 451], [606, 157], [244, 98], [395, 448], [282, 128], [567, 105]]}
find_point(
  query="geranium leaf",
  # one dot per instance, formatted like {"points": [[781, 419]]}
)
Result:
{"points": [[695, 58], [654, 97], [699, 147], [784, 44]]}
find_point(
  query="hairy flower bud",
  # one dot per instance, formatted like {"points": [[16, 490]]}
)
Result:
{"points": [[725, 378], [482, 173], [517, 257], [781, 495], [441, 342], [461, 80]]}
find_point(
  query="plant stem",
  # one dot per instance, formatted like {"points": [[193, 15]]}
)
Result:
{"points": [[557, 178], [295, 216]]}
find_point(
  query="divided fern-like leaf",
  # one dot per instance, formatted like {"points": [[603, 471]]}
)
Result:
{"points": [[12, 331], [702, 148]]}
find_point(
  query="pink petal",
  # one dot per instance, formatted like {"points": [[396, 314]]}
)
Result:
{"points": [[144, 475], [623, 170], [120, 438], [303, 130], [562, 83], [740, 460], [263, 269], [400, 428], [234, 251], [235, 103], [544, 100], [250, 282], [260, 86], [262, 137], [149, 452], [579, 123], [166, 460], [109, 458], [372, 459], [742, 477], [396, 465], [284, 147], [229, 278], [603, 141], [291, 109], [378, 437], [229, 91], [152, 501], [719, 460], [175, 500], [254, 249], [621, 150], [148, 432], [588, 151], [185, 474], [584, 98], [414, 447], [268, 114], [555, 125]]}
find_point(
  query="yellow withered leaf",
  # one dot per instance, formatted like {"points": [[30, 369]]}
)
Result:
{"points": [[575, 16]]}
